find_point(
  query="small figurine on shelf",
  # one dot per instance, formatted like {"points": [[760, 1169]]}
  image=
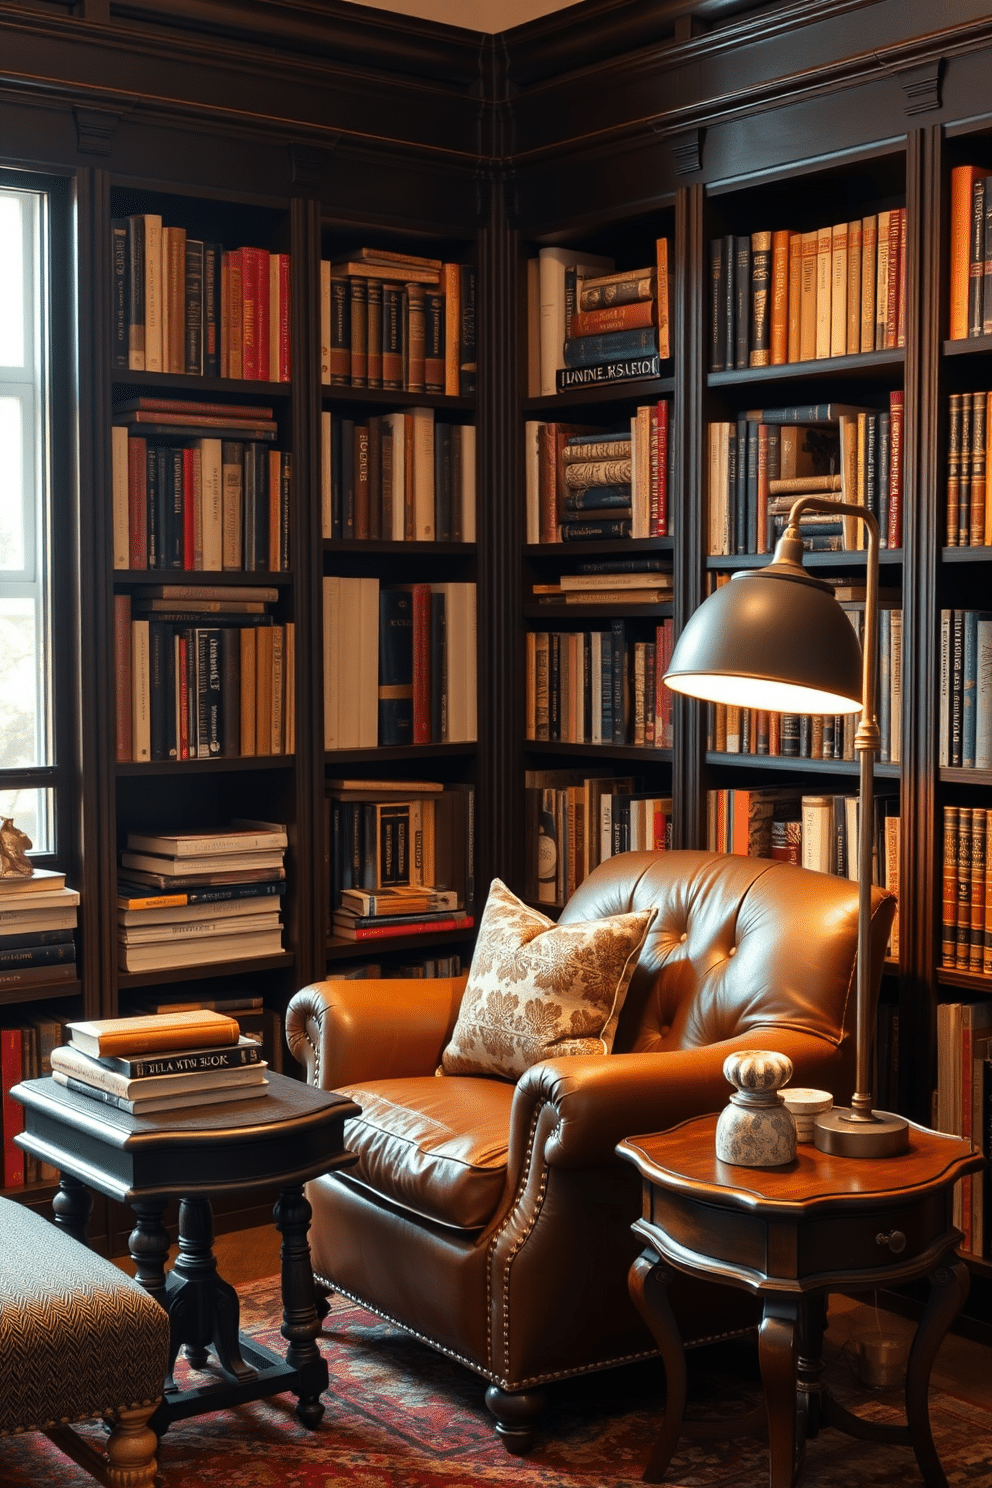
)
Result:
{"points": [[14, 844]]}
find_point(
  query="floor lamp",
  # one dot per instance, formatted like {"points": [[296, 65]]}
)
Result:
{"points": [[775, 638]]}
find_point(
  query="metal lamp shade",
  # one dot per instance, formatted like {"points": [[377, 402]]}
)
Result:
{"points": [[775, 640]]}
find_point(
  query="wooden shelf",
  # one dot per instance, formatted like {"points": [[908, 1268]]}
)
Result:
{"points": [[129, 980], [867, 364], [883, 770]]}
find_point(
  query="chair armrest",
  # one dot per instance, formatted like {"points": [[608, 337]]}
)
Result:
{"points": [[346, 1031], [600, 1100]]}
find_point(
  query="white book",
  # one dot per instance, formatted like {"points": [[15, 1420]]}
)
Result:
{"points": [[20, 921], [325, 320], [895, 687], [851, 824], [326, 508], [194, 844], [533, 328], [838, 289], [141, 724], [640, 449], [198, 953], [153, 293], [468, 483], [423, 474], [605, 827], [532, 468], [332, 624], [553, 330], [39, 899], [348, 680], [211, 504], [224, 909], [206, 863], [368, 664], [596, 685], [120, 496], [397, 424], [172, 930], [817, 829], [944, 744]]}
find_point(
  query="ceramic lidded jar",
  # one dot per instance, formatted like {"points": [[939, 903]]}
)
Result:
{"points": [[756, 1130]]}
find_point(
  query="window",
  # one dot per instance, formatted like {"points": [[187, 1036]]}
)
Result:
{"points": [[26, 652]]}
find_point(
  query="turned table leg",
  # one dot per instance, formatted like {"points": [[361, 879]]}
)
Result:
{"points": [[300, 1323], [648, 1282], [73, 1205], [203, 1308]]}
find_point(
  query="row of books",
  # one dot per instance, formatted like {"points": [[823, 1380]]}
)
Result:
{"points": [[590, 323], [969, 512], [397, 320], [573, 822], [25, 1054], [965, 737], [599, 686], [198, 678], [966, 913], [970, 253], [429, 967], [159, 924], [185, 305], [963, 1107], [37, 929], [402, 857], [756, 731], [591, 484], [785, 296], [819, 832], [399, 663], [398, 477], [203, 504], [764, 461]]}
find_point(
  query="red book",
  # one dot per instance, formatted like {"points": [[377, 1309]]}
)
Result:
{"points": [[389, 932], [137, 501], [659, 471], [762, 546], [283, 373], [421, 663], [189, 509], [13, 1111], [263, 368], [250, 328], [122, 677], [895, 468], [182, 695], [613, 318]]}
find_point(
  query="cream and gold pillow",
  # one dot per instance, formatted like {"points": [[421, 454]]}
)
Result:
{"points": [[537, 990]]}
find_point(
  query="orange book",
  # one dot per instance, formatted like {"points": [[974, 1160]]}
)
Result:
{"points": [[663, 290], [824, 281], [869, 256], [780, 297], [289, 671], [235, 313], [892, 279], [263, 689], [795, 294], [963, 178], [451, 284], [613, 318], [248, 671], [807, 306], [774, 733], [854, 231], [195, 1028], [838, 290]]}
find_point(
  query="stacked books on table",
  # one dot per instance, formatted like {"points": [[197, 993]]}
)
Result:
{"points": [[37, 920], [382, 913], [188, 898], [161, 1062]]}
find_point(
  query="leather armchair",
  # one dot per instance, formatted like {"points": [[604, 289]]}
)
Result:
{"points": [[493, 1220]]}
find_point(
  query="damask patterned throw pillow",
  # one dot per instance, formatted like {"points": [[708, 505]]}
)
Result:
{"points": [[537, 990]]}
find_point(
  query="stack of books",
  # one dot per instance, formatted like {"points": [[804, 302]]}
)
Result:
{"points": [[191, 898], [185, 305], [610, 584], [969, 511], [161, 1062], [198, 486], [203, 672], [383, 913], [589, 323], [591, 484], [397, 476], [786, 296], [37, 920], [398, 320]]}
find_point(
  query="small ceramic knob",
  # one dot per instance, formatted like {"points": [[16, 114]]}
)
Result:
{"points": [[756, 1130]]}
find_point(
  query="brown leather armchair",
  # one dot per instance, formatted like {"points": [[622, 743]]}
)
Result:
{"points": [[493, 1220]]}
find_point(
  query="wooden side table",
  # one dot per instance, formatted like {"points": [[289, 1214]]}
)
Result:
{"points": [[290, 1135], [791, 1235]]}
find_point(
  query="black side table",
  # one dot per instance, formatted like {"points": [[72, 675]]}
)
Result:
{"points": [[292, 1134]]}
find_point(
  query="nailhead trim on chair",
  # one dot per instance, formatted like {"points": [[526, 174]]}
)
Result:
{"points": [[521, 1188]]}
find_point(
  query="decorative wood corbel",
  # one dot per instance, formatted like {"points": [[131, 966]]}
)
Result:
{"points": [[306, 162], [687, 151], [921, 85], [95, 129]]}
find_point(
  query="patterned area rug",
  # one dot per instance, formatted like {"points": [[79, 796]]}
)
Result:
{"points": [[400, 1416]]}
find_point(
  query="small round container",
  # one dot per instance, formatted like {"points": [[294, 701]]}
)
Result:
{"points": [[805, 1105]]}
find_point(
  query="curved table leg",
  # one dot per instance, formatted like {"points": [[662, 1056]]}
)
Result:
{"points": [[778, 1353], [647, 1283], [73, 1205], [300, 1324], [948, 1291]]}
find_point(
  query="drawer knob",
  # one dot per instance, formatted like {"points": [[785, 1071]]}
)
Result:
{"points": [[895, 1240]]}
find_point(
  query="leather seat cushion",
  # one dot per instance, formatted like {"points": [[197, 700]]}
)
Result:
{"points": [[435, 1146]]}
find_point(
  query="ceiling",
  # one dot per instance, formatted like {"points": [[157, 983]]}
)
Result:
{"points": [[475, 15]]}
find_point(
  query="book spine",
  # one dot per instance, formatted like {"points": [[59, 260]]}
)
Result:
{"points": [[614, 346], [467, 367]]}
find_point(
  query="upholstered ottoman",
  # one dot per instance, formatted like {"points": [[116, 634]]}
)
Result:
{"points": [[78, 1338]]}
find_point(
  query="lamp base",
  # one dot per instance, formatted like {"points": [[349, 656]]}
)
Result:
{"points": [[885, 1135]]}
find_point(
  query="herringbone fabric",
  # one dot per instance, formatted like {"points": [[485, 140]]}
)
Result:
{"points": [[78, 1337]]}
